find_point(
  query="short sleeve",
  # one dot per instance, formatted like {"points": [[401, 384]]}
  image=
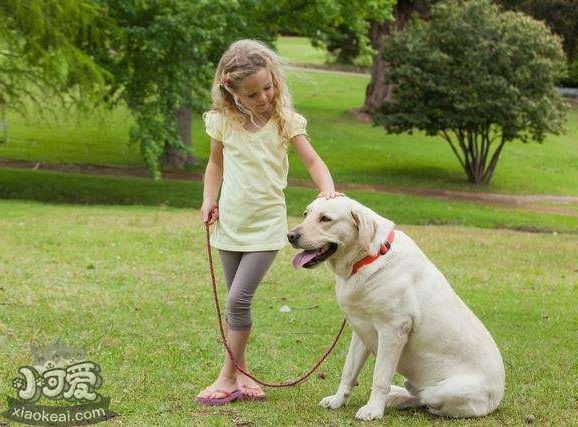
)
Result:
{"points": [[214, 124], [297, 125]]}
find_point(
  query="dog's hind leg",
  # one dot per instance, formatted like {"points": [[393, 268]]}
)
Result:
{"points": [[461, 396], [400, 398]]}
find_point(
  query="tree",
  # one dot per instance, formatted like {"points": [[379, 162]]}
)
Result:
{"points": [[344, 44], [155, 56], [163, 56], [340, 25], [377, 90], [42, 52], [479, 78], [562, 17], [356, 29]]}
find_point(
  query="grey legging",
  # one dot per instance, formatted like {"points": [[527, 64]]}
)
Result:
{"points": [[243, 273]]}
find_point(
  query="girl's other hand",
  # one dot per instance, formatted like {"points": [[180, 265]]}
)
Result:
{"points": [[210, 211], [330, 194]]}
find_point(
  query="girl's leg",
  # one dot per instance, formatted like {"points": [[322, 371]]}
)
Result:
{"points": [[226, 380], [230, 261], [251, 270], [243, 273]]}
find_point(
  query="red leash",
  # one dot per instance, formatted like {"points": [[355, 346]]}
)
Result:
{"points": [[288, 383]]}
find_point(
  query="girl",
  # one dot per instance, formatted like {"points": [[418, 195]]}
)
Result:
{"points": [[251, 126]]}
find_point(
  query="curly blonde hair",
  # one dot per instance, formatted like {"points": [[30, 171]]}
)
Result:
{"points": [[242, 59]]}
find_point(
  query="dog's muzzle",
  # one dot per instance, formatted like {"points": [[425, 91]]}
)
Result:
{"points": [[293, 237]]}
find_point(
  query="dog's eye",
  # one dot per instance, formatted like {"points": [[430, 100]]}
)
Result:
{"points": [[325, 219], [304, 214]]}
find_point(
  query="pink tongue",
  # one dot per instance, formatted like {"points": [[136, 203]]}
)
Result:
{"points": [[303, 258]]}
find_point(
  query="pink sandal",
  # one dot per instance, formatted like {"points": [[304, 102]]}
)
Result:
{"points": [[245, 396], [230, 396]]}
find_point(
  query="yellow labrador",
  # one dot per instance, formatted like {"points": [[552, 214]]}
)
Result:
{"points": [[404, 311]]}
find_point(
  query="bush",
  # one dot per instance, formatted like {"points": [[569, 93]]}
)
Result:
{"points": [[479, 78], [571, 79]]}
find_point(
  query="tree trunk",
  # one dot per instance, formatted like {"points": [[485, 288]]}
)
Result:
{"points": [[174, 158], [4, 125], [489, 172], [476, 166], [377, 91]]}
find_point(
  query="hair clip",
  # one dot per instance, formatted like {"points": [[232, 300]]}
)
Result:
{"points": [[227, 80]]}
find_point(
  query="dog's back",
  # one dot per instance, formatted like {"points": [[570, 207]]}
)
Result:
{"points": [[448, 342]]}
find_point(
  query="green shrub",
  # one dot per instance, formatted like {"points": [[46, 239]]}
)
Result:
{"points": [[478, 77]]}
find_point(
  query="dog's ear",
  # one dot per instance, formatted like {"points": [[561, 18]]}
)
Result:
{"points": [[373, 229]]}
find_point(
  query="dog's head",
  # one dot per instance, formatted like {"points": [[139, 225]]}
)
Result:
{"points": [[334, 226]]}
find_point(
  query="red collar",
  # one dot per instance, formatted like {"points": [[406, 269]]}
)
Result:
{"points": [[384, 248]]}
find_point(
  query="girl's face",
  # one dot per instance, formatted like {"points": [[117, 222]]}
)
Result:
{"points": [[256, 91]]}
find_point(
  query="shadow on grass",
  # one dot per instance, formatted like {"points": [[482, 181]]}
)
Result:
{"points": [[52, 187], [408, 176]]}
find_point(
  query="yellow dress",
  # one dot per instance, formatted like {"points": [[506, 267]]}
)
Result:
{"points": [[252, 210]]}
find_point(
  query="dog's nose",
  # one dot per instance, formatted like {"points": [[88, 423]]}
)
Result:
{"points": [[293, 237]]}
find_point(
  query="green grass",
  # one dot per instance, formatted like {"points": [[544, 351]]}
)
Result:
{"points": [[355, 152], [130, 285], [87, 189], [416, 160], [299, 51], [72, 137]]}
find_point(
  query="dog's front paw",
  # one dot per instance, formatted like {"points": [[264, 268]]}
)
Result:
{"points": [[369, 412], [333, 402]]}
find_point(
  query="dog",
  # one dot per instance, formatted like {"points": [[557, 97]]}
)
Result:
{"points": [[403, 310]]}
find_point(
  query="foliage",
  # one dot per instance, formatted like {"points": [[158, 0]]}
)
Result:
{"points": [[478, 77], [358, 45], [562, 17], [572, 78], [163, 56], [344, 43], [157, 57], [341, 26], [42, 50], [408, 161]]}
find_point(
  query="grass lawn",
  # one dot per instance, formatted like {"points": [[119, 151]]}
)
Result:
{"points": [[117, 266], [299, 51], [355, 152], [403, 209], [130, 285]]}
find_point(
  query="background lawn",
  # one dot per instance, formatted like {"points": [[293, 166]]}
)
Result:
{"points": [[130, 285], [402, 209], [355, 152], [299, 51]]}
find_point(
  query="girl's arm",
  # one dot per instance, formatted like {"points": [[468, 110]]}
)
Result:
{"points": [[212, 182], [316, 167]]}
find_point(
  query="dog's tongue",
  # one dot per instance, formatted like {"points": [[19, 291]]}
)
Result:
{"points": [[303, 258]]}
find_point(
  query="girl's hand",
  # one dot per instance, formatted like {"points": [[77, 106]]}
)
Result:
{"points": [[330, 194], [210, 211]]}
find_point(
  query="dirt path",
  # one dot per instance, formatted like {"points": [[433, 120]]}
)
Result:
{"points": [[325, 69], [536, 203]]}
